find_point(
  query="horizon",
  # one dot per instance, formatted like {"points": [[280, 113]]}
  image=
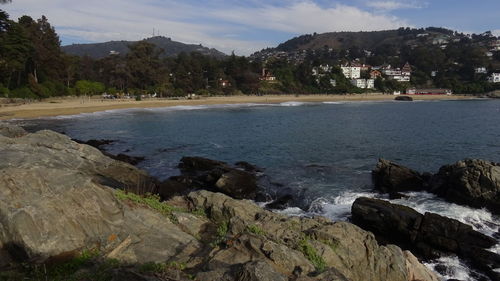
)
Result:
{"points": [[227, 25]]}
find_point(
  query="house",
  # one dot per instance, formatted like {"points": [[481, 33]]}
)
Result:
{"points": [[351, 72], [224, 83], [480, 70], [400, 75], [267, 76], [113, 53], [414, 91], [494, 78], [363, 83], [321, 70], [406, 70], [374, 74]]}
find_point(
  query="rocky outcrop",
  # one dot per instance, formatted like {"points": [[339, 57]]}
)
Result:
{"points": [[470, 182], [203, 173], [392, 178], [403, 98], [430, 235], [11, 131], [54, 203]]}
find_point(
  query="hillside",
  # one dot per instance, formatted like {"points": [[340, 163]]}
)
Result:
{"points": [[170, 48]]}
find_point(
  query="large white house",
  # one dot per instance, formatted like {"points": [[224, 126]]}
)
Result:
{"points": [[351, 72], [364, 83], [400, 75], [494, 78]]}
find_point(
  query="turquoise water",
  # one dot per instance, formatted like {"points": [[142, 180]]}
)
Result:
{"points": [[321, 152]]}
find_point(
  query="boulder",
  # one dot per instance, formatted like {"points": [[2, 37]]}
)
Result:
{"points": [[11, 131], [429, 235], [196, 164], [403, 98], [389, 177], [471, 182], [238, 184]]}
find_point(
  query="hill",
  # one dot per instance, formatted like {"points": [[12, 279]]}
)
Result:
{"points": [[170, 48]]}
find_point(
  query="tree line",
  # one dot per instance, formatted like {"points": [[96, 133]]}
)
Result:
{"points": [[32, 65]]}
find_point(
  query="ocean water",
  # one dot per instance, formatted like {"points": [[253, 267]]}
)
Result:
{"points": [[321, 152]]}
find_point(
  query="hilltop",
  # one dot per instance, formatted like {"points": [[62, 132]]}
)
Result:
{"points": [[170, 48]]}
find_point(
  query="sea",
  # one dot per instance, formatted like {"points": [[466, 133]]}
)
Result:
{"points": [[323, 153]]}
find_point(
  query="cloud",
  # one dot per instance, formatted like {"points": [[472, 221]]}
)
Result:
{"points": [[395, 5], [496, 32], [226, 25]]}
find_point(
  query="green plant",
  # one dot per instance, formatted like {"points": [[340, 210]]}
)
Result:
{"points": [[152, 267], [150, 200], [199, 212], [177, 265], [255, 230], [222, 230], [312, 255]]}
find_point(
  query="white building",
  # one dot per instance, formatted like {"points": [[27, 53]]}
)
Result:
{"points": [[480, 70], [351, 72], [364, 83], [494, 78]]}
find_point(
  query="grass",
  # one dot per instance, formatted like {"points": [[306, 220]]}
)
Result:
{"points": [[312, 255], [221, 235], [150, 200], [255, 230], [200, 212]]}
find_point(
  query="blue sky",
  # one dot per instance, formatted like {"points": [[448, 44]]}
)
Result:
{"points": [[248, 26]]}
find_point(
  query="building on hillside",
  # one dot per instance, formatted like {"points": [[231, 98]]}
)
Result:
{"points": [[267, 76], [480, 70], [363, 83], [400, 75], [374, 74], [494, 78], [113, 53], [351, 72], [414, 91], [321, 70], [224, 83]]}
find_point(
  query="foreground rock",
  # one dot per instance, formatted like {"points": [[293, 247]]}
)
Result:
{"points": [[430, 235], [471, 182], [54, 204]]}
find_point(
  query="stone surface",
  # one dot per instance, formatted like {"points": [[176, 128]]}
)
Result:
{"points": [[58, 197], [472, 182], [390, 177], [11, 131], [429, 235]]}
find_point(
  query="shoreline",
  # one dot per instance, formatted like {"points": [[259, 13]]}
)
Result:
{"points": [[77, 105]]}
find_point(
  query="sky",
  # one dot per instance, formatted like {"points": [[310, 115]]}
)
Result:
{"points": [[248, 26]]}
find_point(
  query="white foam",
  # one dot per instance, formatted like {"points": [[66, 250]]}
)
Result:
{"points": [[337, 208], [292, 103], [455, 269]]}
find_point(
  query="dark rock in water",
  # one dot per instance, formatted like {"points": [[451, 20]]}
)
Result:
{"points": [[238, 184], [132, 160], [170, 188], [200, 164], [471, 182], [429, 235], [390, 177], [203, 173], [95, 143], [404, 98], [248, 167], [281, 203]]}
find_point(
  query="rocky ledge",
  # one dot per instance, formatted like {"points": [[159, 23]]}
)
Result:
{"points": [[68, 210], [472, 182]]}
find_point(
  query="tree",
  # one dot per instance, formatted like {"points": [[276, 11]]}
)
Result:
{"points": [[143, 65]]}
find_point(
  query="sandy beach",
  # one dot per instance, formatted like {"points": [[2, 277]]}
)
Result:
{"points": [[76, 105]]}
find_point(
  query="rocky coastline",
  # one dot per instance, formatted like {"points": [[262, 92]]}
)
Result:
{"points": [[68, 211]]}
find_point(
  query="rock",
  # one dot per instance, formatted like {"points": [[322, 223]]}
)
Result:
{"points": [[390, 177], [471, 182], [195, 164], [416, 270], [281, 203], [54, 201], [258, 271], [95, 143], [132, 160], [11, 131], [248, 167], [403, 98], [203, 173], [429, 235], [238, 184]]}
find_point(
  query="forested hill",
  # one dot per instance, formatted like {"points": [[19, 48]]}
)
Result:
{"points": [[170, 48]]}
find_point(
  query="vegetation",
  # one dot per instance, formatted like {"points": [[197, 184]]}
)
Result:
{"points": [[221, 235], [150, 200], [33, 66], [256, 230], [312, 255]]}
